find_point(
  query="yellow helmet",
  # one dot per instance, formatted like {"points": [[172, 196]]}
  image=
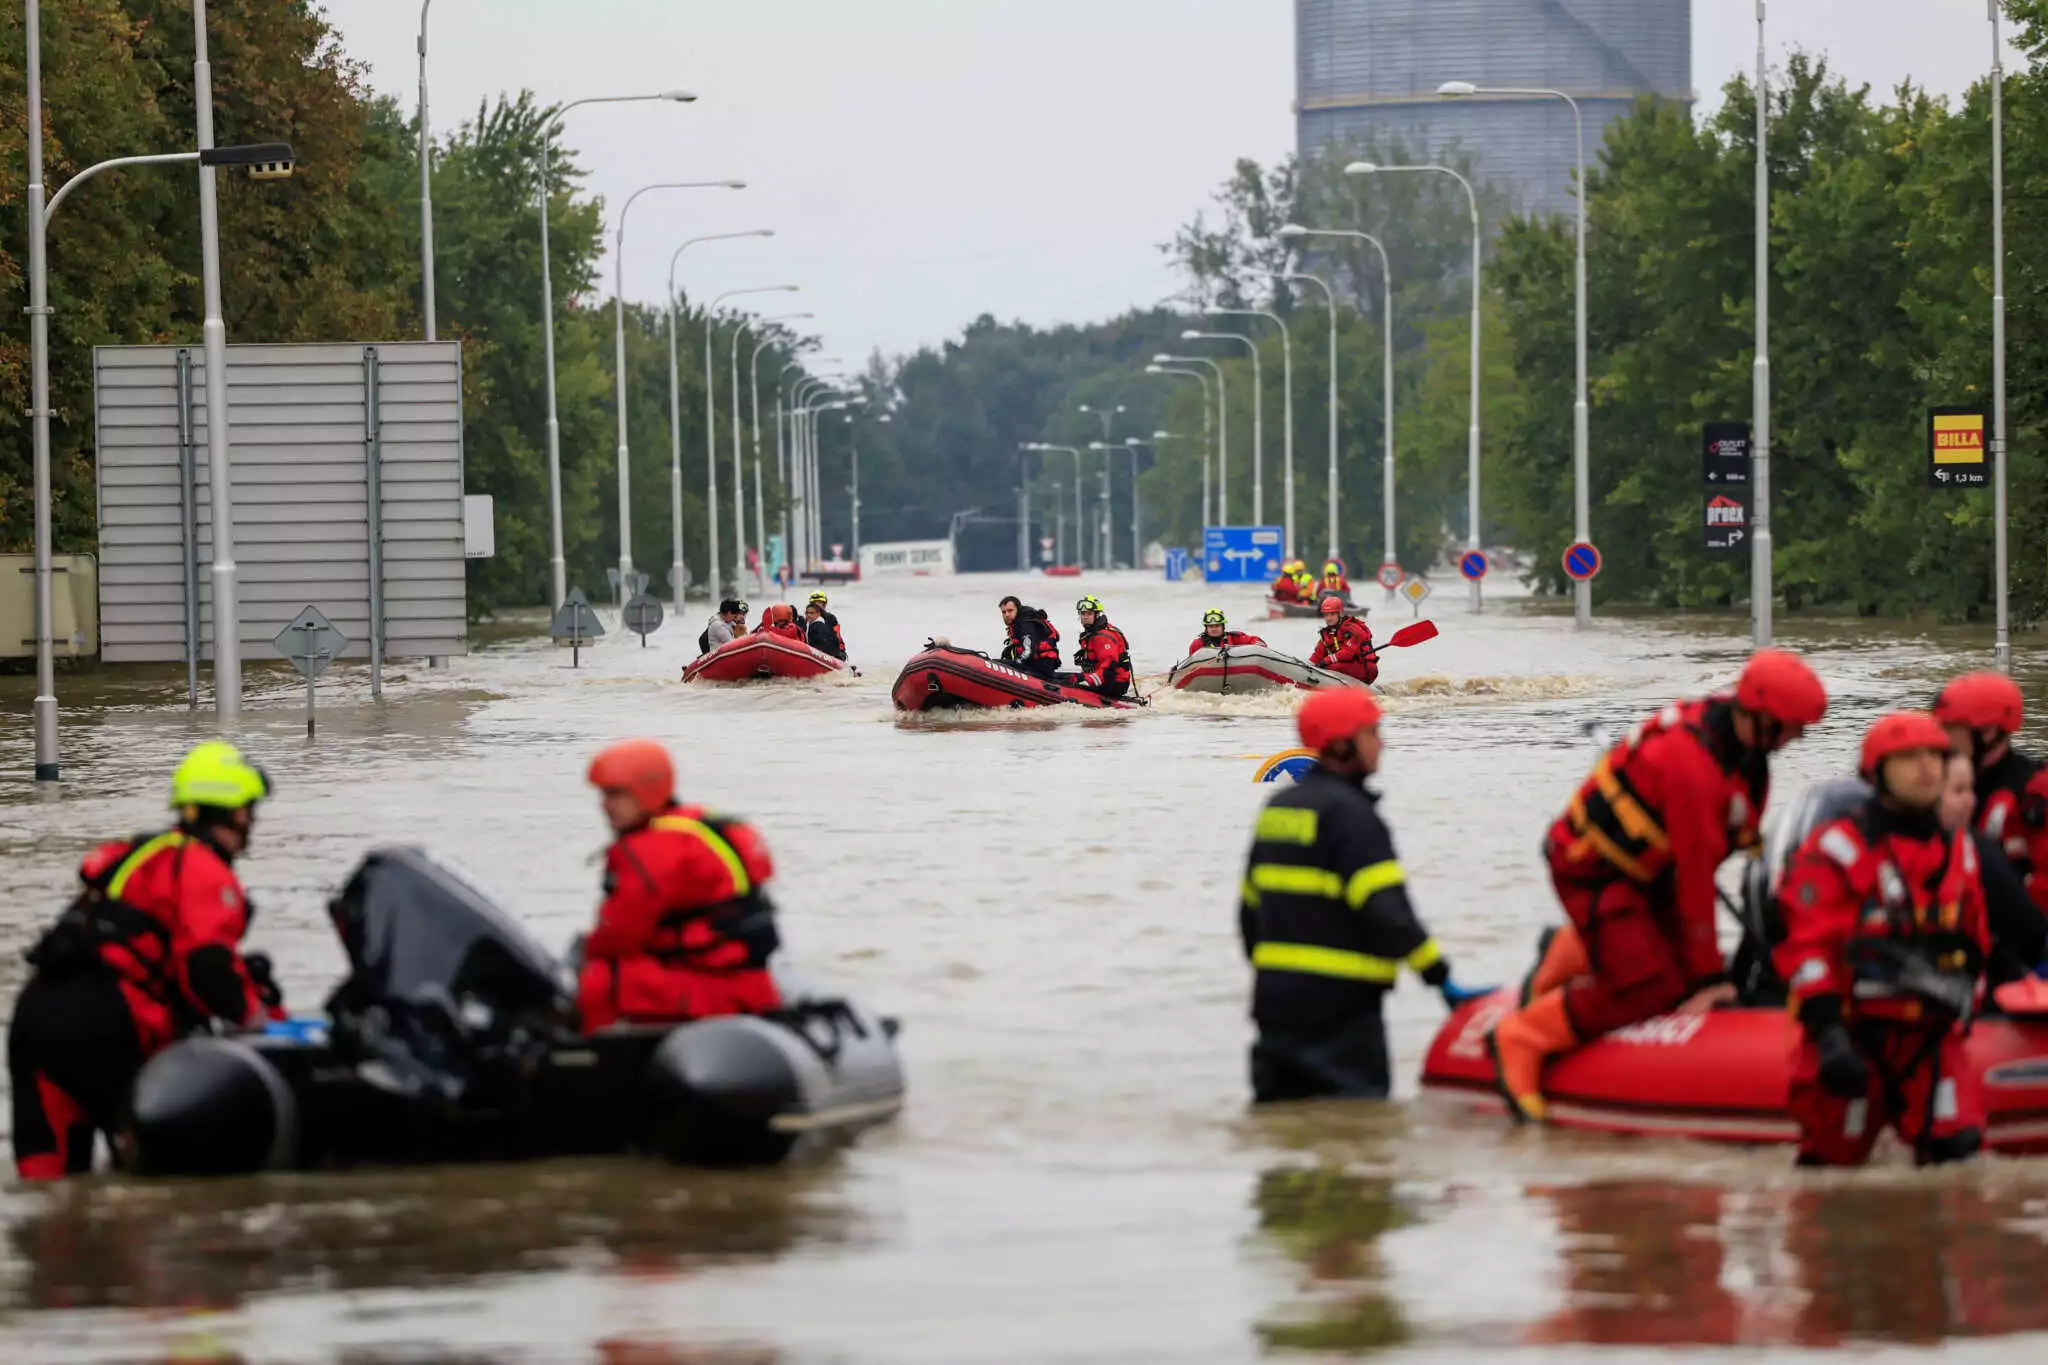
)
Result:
{"points": [[216, 775], [1093, 604], [1333, 569]]}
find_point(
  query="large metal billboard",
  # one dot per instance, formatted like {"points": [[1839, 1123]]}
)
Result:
{"points": [[347, 467]]}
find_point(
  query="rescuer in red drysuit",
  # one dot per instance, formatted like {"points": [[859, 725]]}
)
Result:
{"points": [[1344, 645], [149, 951], [1334, 580], [1885, 942], [1216, 633], [780, 620], [686, 929], [1633, 860], [1287, 587], [1103, 656], [1983, 711]]}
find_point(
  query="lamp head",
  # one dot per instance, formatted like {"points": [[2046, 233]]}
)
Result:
{"points": [[733, 184], [1191, 335], [1294, 232], [1097, 445], [1164, 436], [1457, 89], [1162, 359], [1153, 369], [678, 96], [1361, 168]]}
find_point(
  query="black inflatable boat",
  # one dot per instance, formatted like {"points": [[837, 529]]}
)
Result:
{"points": [[451, 1041]]}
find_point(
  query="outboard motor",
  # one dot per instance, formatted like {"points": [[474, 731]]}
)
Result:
{"points": [[446, 995]]}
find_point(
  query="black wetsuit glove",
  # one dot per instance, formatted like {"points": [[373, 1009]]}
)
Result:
{"points": [[260, 976], [1844, 1073]]}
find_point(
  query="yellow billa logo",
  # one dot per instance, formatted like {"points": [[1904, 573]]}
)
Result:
{"points": [[1959, 438]]}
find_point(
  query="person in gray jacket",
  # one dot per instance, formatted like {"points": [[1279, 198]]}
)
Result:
{"points": [[728, 625]]}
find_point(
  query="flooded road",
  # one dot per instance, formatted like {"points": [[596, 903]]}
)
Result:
{"points": [[1046, 899]]}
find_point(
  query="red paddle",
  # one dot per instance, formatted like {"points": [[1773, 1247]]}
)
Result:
{"points": [[1411, 635], [2023, 999]]}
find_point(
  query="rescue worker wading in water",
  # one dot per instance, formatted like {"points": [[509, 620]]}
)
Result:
{"points": [[1885, 942], [1344, 645], [1325, 917], [1633, 860], [1032, 642], [148, 952], [1982, 712], [1217, 634], [686, 928], [1103, 655]]}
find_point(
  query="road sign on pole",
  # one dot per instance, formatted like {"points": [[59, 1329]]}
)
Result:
{"points": [[1727, 456], [311, 643], [643, 614], [1417, 591], [1473, 565], [1390, 575], [1727, 520], [1957, 446], [576, 624], [1241, 554], [1581, 561]]}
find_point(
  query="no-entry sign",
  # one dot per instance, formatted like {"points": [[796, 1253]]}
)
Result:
{"points": [[1581, 561]]}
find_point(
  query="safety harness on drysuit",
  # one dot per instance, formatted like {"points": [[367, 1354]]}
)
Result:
{"points": [[1119, 670], [2012, 810], [101, 931], [1047, 649], [747, 920], [1612, 823], [1910, 960]]}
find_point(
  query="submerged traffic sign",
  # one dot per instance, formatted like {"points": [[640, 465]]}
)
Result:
{"points": [[1390, 575], [643, 616], [1581, 561], [311, 642], [575, 625]]}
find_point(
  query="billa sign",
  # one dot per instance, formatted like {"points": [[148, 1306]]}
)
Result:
{"points": [[1727, 520], [1958, 448], [1727, 454]]}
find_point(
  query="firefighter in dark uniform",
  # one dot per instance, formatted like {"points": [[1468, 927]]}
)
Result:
{"points": [[1326, 919], [1031, 640]]}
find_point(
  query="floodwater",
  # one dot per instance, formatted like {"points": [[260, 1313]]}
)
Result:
{"points": [[1046, 899]]}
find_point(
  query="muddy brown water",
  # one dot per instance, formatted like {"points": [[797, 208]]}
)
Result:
{"points": [[1046, 900]]}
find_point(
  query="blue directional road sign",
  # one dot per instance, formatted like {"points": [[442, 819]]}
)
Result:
{"points": [[1581, 561], [1473, 565], [1241, 554], [1176, 565]]}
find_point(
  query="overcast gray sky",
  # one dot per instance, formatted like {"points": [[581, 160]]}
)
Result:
{"points": [[924, 161]]}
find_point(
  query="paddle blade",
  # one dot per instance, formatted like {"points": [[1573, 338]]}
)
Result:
{"points": [[1411, 635], [2023, 999]]}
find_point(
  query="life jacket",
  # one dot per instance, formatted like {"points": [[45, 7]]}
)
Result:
{"points": [[702, 938], [2012, 811], [1286, 589], [1610, 822], [100, 931], [1915, 956], [1048, 648], [1305, 586], [838, 636], [1119, 669]]}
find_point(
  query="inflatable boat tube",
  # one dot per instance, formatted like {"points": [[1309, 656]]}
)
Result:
{"points": [[1250, 668], [761, 655], [1723, 1076], [446, 1044], [1281, 609], [945, 678]]}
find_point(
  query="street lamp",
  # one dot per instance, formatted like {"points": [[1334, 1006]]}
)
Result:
{"points": [[831, 400], [1066, 450], [754, 382], [803, 465], [1581, 409], [619, 317], [1472, 536], [1107, 416], [739, 501], [1258, 416], [676, 573], [1296, 232], [266, 160], [1222, 427], [1287, 418], [558, 570], [711, 444], [426, 186], [796, 512], [1208, 424], [2002, 648]]}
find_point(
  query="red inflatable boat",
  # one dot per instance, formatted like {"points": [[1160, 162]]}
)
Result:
{"points": [[761, 655], [1724, 1076], [943, 678]]}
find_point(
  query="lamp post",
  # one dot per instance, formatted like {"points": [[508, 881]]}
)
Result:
{"points": [[1073, 451], [1330, 301], [803, 457], [1761, 589], [795, 507], [676, 574], [1287, 418], [754, 387], [267, 160], [1581, 408], [717, 569], [1208, 424], [558, 569], [1297, 232], [1258, 416], [426, 185], [1473, 533], [739, 501], [2002, 647], [1107, 415], [619, 317], [1222, 427], [835, 400]]}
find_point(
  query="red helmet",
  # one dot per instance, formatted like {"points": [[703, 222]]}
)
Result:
{"points": [[1982, 701], [1332, 603], [1899, 733], [781, 614], [1338, 714], [638, 767], [1779, 684]]}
